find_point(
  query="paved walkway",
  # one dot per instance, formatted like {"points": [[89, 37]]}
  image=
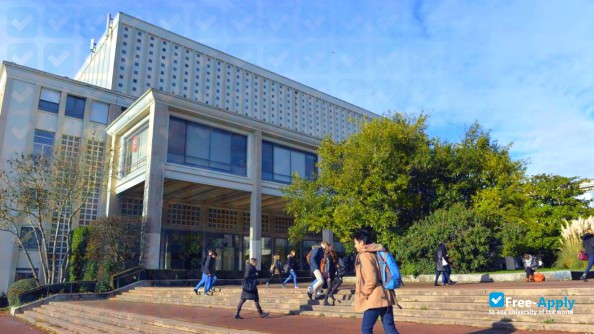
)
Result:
{"points": [[12, 325]]}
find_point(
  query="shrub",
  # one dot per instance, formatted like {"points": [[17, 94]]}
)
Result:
{"points": [[571, 243], [471, 243], [115, 244], [19, 287], [77, 255]]}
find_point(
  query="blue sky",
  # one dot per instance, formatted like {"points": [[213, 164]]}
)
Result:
{"points": [[523, 69]]}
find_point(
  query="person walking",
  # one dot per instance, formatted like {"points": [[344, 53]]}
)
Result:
{"points": [[204, 269], [275, 269], [443, 265], [588, 243], [317, 253], [370, 296], [250, 289], [291, 266], [212, 278], [329, 272], [341, 270]]}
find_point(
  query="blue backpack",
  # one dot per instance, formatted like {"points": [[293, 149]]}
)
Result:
{"points": [[391, 278]]}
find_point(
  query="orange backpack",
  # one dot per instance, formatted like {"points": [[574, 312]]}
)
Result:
{"points": [[538, 277]]}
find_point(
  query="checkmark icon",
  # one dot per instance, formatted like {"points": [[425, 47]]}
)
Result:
{"points": [[496, 299]]}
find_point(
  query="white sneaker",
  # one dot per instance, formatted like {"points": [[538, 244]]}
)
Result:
{"points": [[296, 287]]}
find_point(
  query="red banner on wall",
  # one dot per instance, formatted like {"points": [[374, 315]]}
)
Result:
{"points": [[134, 144]]}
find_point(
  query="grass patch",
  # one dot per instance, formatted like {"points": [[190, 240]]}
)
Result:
{"points": [[549, 321], [424, 308]]}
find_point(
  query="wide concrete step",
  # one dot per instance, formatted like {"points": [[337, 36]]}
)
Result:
{"points": [[82, 322], [163, 325], [279, 306], [49, 325], [56, 324], [130, 323], [205, 299]]}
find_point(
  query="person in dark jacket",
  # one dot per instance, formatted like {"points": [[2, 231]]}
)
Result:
{"points": [[329, 271], [341, 269], [317, 253], [205, 271], [212, 278], [291, 265], [442, 265], [588, 243], [275, 269], [251, 273]]}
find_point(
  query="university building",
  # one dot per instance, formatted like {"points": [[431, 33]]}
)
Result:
{"points": [[203, 142]]}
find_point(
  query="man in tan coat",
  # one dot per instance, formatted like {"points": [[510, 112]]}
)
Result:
{"points": [[370, 296]]}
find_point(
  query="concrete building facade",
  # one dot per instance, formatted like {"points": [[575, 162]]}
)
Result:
{"points": [[202, 141]]}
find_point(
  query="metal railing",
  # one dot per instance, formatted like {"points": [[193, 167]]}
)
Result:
{"points": [[128, 277], [53, 289]]}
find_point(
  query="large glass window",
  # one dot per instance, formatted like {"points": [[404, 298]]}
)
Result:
{"points": [[49, 100], [136, 147], [43, 142], [279, 163], [75, 106], [29, 236], [207, 147], [99, 112]]}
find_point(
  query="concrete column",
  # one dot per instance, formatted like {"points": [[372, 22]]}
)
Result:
{"points": [[328, 236], [111, 200], [256, 197], [153, 183]]}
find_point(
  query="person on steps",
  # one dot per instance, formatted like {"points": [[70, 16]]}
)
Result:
{"points": [[291, 266], [251, 273]]}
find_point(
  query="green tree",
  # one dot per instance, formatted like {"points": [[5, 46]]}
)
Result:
{"points": [[471, 243], [369, 180]]}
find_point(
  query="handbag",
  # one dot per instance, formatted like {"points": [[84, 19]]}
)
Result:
{"points": [[582, 256], [249, 284]]}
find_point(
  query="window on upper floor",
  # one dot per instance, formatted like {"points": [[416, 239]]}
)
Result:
{"points": [[206, 147], [279, 163], [43, 142], [135, 150], [49, 100], [29, 236], [99, 112], [75, 106]]}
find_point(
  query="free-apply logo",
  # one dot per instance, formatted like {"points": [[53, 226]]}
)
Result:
{"points": [[496, 299], [547, 305]]}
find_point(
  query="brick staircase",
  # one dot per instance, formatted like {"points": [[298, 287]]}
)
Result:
{"points": [[460, 305], [454, 306]]}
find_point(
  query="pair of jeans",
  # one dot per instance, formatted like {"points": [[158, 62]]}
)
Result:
{"points": [[291, 274], [203, 282], [590, 264], [370, 318], [209, 283]]}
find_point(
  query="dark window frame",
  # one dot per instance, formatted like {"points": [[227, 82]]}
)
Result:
{"points": [[75, 106]]}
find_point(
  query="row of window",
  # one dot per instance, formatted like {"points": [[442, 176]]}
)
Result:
{"points": [[203, 146], [49, 100], [197, 76]]}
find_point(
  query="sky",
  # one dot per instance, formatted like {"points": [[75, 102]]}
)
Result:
{"points": [[522, 69]]}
